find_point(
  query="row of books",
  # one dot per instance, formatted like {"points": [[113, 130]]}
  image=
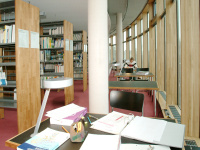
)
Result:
{"points": [[78, 71], [7, 34], [48, 42], [56, 67], [78, 64], [49, 55], [77, 37], [78, 56], [78, 75], [77, 46], [57, 30], [3, 80]]}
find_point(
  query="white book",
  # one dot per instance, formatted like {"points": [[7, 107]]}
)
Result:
{"points": [[101, 142], [13, 33]]}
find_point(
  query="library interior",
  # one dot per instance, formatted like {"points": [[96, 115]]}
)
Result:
{"points": [[100, 74]]}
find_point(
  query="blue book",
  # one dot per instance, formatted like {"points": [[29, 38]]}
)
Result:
{"points": [[48, 139]]}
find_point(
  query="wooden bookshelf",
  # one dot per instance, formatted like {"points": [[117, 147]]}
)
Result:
{"points": [[67, 60], [21, 65], [80, 71]]}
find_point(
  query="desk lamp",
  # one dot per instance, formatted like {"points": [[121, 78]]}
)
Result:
{"points": [[55, 83]]}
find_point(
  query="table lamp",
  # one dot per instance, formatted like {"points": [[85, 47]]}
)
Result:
{"points": [[55, 83]]}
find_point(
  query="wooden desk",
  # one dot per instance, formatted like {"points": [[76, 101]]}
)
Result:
{"points": [[134, 74], [141, 85], [21, 138]]}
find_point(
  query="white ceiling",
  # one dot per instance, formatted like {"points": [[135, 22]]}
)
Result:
{"points": [[76, 11]]}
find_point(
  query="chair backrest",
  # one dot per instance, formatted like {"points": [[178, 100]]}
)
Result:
{"points": [[127, 100], [128, 70], [142, 69]]}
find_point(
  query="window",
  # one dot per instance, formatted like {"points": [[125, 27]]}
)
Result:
{"points": [[154, 8], [136, 42], [141, 29], [129, 32], [130, 49]]}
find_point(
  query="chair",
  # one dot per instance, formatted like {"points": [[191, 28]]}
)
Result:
{"points": [[127, 100], [142, 69], [127, 70]]}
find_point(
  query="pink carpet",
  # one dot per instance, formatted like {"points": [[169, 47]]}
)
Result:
{"points": [[8, 125]]}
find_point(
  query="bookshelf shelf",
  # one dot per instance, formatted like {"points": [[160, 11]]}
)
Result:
{"points": [[8, 64], [77, 51], [7, 45], [53, 74], [53, 61], [78, 41], [7, 56], [7, 22], [57, 48], [53, 36]]}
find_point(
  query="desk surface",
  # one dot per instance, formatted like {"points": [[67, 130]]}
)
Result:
{"points": [[144, 85], [21, 138], [133, 75]]}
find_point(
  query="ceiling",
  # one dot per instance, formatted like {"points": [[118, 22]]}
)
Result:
{"points": [[76, 11]]}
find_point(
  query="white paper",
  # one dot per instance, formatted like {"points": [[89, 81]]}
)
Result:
{"points": [[23, 38], [65, 111], [145, 129], [71, 45], [142, 147], [67, 45], [101, 142], [112, 123], [34, 40]]}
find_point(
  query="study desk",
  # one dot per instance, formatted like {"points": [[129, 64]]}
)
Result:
{"points": [[68, 145], [134, 74], [140, 85]]}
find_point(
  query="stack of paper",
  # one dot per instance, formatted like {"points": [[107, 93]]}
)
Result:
{"points": [[66, 115], [112, 123], [47, 139], [101, 142]]}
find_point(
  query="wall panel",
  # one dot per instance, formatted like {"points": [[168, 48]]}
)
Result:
{"points": [[190, 66], [171, 53]]}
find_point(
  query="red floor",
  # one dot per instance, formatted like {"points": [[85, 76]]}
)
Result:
{"points": [[8, 125]]}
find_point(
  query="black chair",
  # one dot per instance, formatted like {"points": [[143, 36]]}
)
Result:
{"points": [[127, 100], [127, 70], [142, 69]]}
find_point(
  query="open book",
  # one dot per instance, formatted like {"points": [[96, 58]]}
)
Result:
{"points": [[141, 128], [142, 72]]}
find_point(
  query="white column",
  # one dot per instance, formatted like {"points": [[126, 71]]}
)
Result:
{"points": [[119, 39], [98, 56]]}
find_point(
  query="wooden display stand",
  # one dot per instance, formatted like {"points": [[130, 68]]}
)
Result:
{"points": [[27, 67]]}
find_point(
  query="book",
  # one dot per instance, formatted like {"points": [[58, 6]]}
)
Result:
{"points": [[48, 139], [156, 131], [101, 142], [70, 119], [66, 115]]}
